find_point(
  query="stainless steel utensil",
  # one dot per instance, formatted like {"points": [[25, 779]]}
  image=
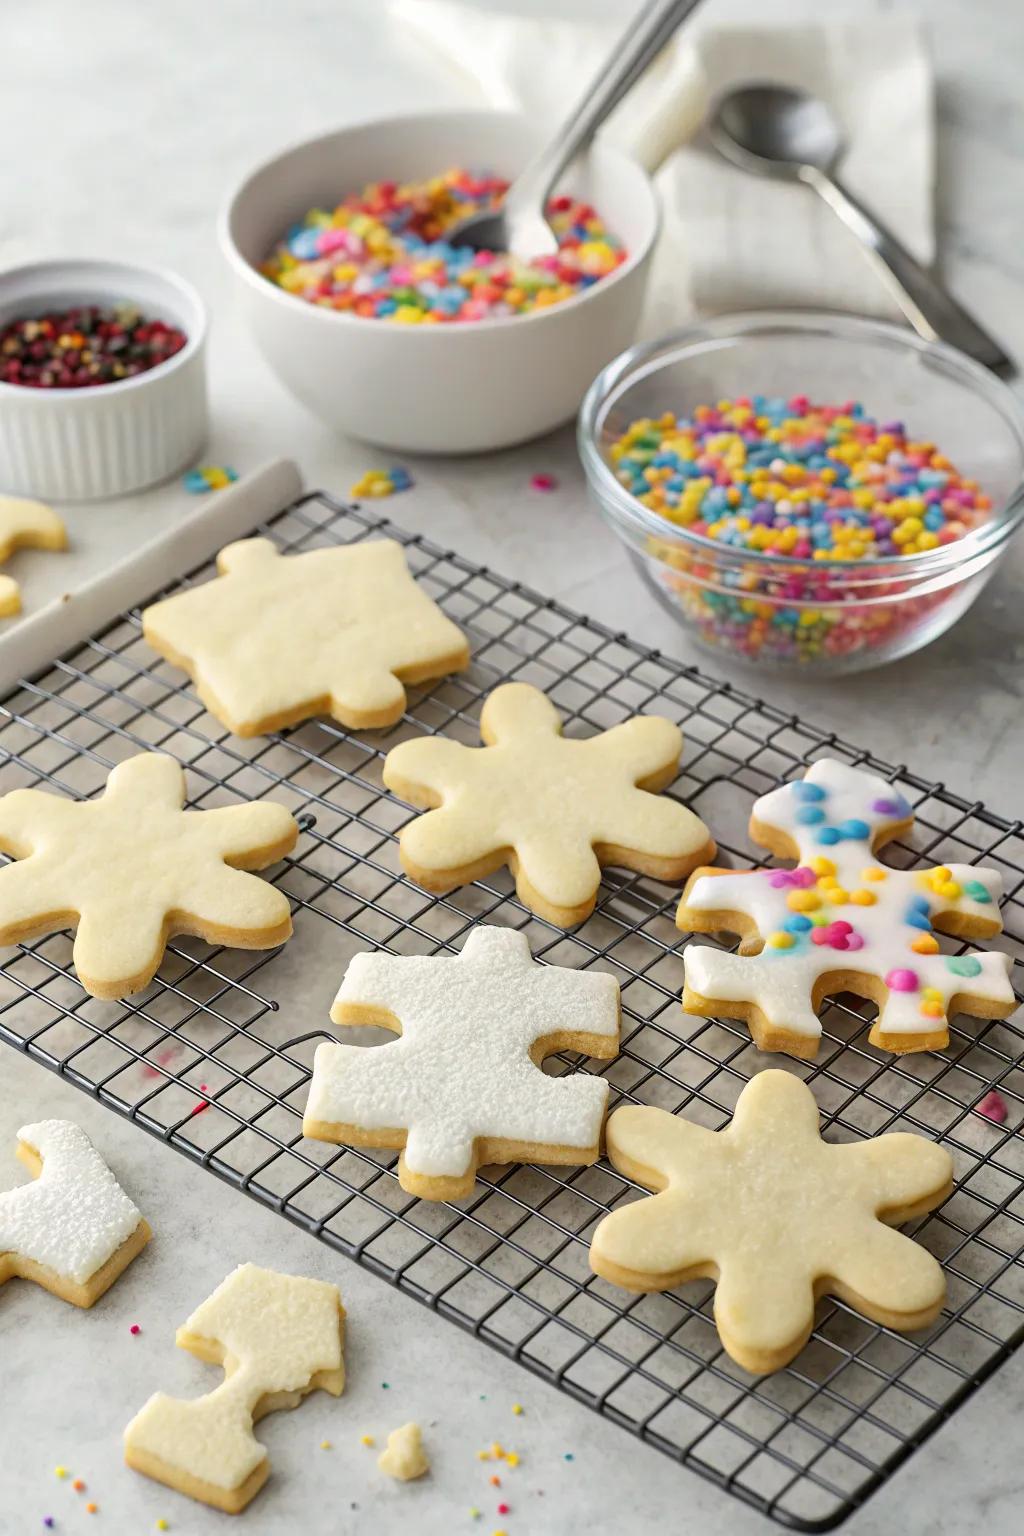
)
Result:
{"points": [[519, 224], [775, 131]]}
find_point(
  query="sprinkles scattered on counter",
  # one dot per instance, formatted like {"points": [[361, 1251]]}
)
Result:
{"points": [[993, 1107], [49, 1522], [517, 1408], [381, 482], [208, 477], [543, 482], [807, 485], [134, 1330], [381, 254], [366, 1440]]}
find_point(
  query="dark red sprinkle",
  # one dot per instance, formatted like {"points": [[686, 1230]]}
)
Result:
{"points": [[85, 346]]}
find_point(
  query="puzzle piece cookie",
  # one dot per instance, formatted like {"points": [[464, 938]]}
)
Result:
{"points": [[553, 808], [841, 922], [25, 525], [462, 1086], [278, 638], [73, 1230], [776, 1216], [131, 868], [278, 1337], [404, 1457]]}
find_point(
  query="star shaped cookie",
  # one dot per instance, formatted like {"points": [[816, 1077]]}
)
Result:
{"points": [[553, 808], [776, 1216], [278, 638], [462, 1086], [25, 525], [131, 868]]}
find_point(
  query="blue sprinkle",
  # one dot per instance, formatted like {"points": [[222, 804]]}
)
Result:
{"points": [[804, 791], [977, 892], [854, 829], [828, 836], [798, 923], [810, 815]]}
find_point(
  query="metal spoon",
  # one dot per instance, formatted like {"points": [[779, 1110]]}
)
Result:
{"points": [[779, 132], [519, 224]]}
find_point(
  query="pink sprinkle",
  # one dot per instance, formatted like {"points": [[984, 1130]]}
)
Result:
{"points": [[901, 980], [197, 1109], [820, 936], [543, 482], [503, 1509], [854, 941], [993, 1107], [840, 926], [134, 1329]]}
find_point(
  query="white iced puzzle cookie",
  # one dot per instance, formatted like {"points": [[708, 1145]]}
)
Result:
{"points": [[278, 1337], [25, 525], [840, 922], [404, 1457], [73, 1230], [462, 1086], [776, 1216], [553, 808], [131, 868], [278, 638]]}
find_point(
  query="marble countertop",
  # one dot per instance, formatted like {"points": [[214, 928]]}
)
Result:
{"points": [[129, 127]]}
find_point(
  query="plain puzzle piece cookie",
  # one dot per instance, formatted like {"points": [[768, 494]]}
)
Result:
{"points": [[462, 1086], [840, 922], [278, 1337], [553, 808], [132, 868], [25, 525], [404, 1457], [73, 1230], [777, 1216], [278, 638]]}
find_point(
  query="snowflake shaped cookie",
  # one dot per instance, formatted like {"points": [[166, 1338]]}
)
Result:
{"points": [[131, 868], [279, 1337], [25, 525], [553, 809], [840, 922], [278, 638], [73, 1230], [462, 1086], [777, 1216]]}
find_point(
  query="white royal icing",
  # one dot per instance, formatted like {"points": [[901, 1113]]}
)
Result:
{"points": [[75, 1215], [835, 814], [461, 1069]]}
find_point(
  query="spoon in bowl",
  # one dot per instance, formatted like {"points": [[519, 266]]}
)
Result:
{"points": [[774, 131], [519, 224]]}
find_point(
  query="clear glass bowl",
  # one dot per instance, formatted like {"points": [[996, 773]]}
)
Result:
{"points": [[775, 610]]}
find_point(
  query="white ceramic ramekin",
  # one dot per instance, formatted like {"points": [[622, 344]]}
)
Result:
{"points": [[86, 444], [437, 389]]}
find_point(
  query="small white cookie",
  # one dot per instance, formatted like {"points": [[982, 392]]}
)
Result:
{"points": [[278, 638], [776, 1215], [553, 808], [131, 868], [462, 1086], [279, 1337], [73, 1230]]}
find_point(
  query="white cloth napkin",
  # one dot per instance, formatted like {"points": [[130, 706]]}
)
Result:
{"points": [[731, 240]]}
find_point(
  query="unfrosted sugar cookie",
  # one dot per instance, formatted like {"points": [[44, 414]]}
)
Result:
{"points": [[279, 1337], [842, 922], [553, 808], [25, 525], [131, 868], [462, 1086], [278, 638], [73, 1230], [404, 1457], [777, 1216]]}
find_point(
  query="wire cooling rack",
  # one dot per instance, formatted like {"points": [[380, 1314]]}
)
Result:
{"points": [[215, 1057]]}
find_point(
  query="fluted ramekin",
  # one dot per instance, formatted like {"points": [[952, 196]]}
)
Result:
{"points": [[87, 444]]}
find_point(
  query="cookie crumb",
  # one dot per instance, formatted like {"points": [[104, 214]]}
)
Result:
{"points": [[404, 1457]]}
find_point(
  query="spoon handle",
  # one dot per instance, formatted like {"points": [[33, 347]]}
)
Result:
{"points": [[931, 310], [646, 37]]}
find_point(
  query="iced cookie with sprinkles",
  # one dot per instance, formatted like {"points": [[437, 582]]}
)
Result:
{"points": [[842, 922], [276, 638], [73, 1230], [462, 1086], [555, 809]]}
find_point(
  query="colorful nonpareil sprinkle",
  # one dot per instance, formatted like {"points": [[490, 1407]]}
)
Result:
{"points": [[209, 477], [134, 1330], [993, 1107], [517, 1408], [381, 482], [366, 1440], [83, 347], [768, 494], [543, 482], [382, 254]]}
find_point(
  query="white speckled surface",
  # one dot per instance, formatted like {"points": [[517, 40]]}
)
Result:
{"points": [[139, 122]]}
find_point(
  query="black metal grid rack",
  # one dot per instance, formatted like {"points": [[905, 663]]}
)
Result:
{"points": [[215, 1057]]}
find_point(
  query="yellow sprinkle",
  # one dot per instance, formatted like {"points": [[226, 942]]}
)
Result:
{"points": [[517, 1407], [325, 1445], [872, 873], [60, 1471], [162, 1525], [949, 889], [497, 1451], [474, 1514], [925, 945], [863, 898], [365, 1439], [512, 1460], [931, 994], [837, 896], [823, 866], [932, 1010], [483, 1455], [803, 901], [780, 940]]}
